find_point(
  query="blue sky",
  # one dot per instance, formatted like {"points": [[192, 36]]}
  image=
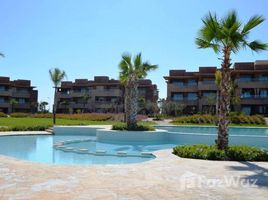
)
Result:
{"points": [[86, 37]]}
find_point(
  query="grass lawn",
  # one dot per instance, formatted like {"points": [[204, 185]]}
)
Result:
{"points": [[231, 125], [28, 121]]}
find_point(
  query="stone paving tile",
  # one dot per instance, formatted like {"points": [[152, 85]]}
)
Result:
{"points": [[166, 177]]}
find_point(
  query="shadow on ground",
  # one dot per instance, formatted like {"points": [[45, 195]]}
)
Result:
{"points": [[259, 176]]}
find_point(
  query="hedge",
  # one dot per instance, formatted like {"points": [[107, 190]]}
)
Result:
{"points": [[210, 152]]}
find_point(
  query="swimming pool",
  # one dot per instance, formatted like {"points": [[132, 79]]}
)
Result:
{"points": [[76, 147]]}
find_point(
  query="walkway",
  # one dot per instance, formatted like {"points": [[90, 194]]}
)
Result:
{"points": [[166, 177]]}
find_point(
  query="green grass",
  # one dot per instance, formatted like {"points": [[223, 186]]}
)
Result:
{"points": [[28, 121], [231, 125]]}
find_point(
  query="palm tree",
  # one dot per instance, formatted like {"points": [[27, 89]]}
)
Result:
{"points": [[13, 102], [131, 70], [226, 36], [56, 76], [42, 106], [85, 98]]}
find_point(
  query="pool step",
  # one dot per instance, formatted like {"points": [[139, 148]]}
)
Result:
{"points": [[50, 130]]}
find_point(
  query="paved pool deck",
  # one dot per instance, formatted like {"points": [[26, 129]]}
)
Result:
{"points": [[166, 177]]}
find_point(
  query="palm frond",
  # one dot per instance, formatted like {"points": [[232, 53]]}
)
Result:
{"points": [[252, 23], [257, 46], [2, 55], [203, 44]]}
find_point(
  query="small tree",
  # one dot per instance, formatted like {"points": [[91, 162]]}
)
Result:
{"points": [[56, 76], [85, 98], [13, 102], [42, 107]]}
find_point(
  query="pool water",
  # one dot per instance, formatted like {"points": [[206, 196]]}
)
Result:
{"points": [[42, 148]]}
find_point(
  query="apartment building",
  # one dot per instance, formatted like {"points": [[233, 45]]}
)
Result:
{"points": [[17, 96], [198, 91], [100, 95]]}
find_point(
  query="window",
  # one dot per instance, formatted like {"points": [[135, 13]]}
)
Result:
{"points": [[21, 101], [192, 96], [263, 93], [209, 94], [177, 82], [263, 78], [209, 81], [177, 97], [245, 78], [2, 88], [192, 82], [2, 100], [246, 110], [247, 93]]}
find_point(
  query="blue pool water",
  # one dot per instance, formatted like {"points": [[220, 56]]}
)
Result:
{"points": [[41, 148]]}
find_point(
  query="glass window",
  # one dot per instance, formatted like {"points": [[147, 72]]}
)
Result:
{"points": [[208, 81], [2, 88], [263, 93], [209, 94], [21, 101], [263, 78], [245, 78], [192, 82], [246, 110], [192, 96], [177, 97], [2, 100], [177, 82]]}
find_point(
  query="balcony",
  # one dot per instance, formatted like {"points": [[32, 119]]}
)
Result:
{"points": [[6, 93], [207, 86], [23, 106], [187, 102], [4, 105], [184, 88], [107, 92], [63, 95], [254, 100], [22, 94], [254, 83]]}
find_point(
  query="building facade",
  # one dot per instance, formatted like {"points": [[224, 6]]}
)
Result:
{"points": [[198, 91], [101, 95], [17, 96]]}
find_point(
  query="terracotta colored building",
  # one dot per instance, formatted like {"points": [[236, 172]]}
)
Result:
{"points": [[102, 95], [196, 90], [21, 91]]}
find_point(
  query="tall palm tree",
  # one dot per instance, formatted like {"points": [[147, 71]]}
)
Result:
{"points": [[131, 70], [56, 76], [227, 36]]}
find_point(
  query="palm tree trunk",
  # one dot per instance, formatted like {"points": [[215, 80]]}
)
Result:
{"points": [[224, 101], [54, 106], [131, 105]]}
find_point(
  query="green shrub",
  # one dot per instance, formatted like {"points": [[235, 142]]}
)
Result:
{"points": [[19, 114], [196, 119], [210, 152], [85, 116], [235, 118], [140, 127], [2, 114]]}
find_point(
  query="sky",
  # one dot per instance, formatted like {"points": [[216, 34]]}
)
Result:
{"points": [[86, 38]]}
